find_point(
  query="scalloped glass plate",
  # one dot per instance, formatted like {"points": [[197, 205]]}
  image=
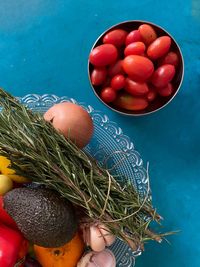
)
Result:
{"points": [[112, 149]]}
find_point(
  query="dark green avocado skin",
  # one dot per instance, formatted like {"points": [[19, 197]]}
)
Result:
{"points": [[43, 216]]}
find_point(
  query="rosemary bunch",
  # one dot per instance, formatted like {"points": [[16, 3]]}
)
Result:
{"points": [[40, 153]]}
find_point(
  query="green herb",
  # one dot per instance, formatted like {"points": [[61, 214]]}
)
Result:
{"points": [[43, 155]]}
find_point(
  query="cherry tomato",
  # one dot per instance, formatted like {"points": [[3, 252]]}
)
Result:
{"points": [[115, 37], [129, 102], [139, 68], [151, 95], [118, 82], [98, 76], [136, 88], [136, 48], [169, 58], [115, 68], [148, 33], [163, 75], [133, 36], [103, 55], [108, 94], [166, 91], [159, 47]]}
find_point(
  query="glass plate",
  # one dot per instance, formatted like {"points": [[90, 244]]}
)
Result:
{"points": [[112, 149]]}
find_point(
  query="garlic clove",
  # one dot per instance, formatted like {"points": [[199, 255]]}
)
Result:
{"points": [[96, 242], [83, 262], [109, 238], [104, 258]]}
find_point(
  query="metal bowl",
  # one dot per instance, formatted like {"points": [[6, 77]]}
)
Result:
{"points": [[161, 102]]}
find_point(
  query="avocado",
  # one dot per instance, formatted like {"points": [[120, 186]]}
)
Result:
{"points": [[42, 215]]}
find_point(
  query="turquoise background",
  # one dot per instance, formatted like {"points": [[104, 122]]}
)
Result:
{"points": [[44, 46]]}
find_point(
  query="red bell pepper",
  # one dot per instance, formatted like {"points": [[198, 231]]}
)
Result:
{"points": [[5, 217], [11, 244]]}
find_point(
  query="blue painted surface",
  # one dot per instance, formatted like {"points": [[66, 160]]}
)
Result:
{"points": [[44, 47]]}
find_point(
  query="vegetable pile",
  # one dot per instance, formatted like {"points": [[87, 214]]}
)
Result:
{"points": [[61, 200], [134, 70]]}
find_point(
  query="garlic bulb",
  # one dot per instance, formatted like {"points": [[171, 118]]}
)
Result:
{"points": [[97, 237], [104, 258]]}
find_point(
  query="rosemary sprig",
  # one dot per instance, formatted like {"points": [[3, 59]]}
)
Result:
{"points": [[40, 153]]}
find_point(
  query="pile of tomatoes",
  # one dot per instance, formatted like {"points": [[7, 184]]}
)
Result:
{"points": [[130, 69]]}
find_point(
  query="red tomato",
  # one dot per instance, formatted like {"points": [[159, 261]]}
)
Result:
{"points": [[133, 36], [98, 76], [136, 48], [166, 91], [148, 33], [103, 55], [115, 68], [163, 75], [159, 47], [118, 82], [115, 37], [108, 94], [129, 102], [151, 95], [137, 67], [170, 58], [136, 88]]}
